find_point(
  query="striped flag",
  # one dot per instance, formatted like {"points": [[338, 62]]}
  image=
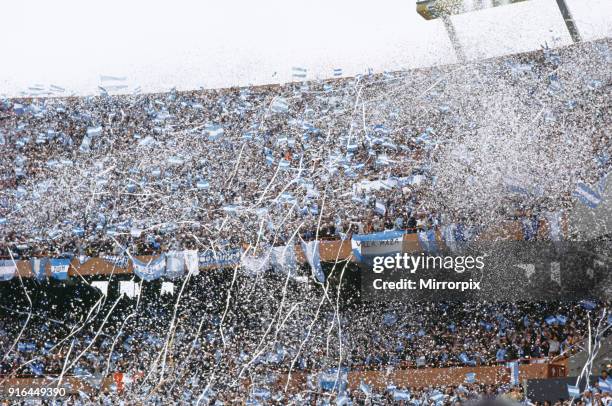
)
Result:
{"points": [[338, 72], [514, 372], [573, 391], [7, 269], [59, 268], [112, 83], [38, 267], [298, 72]]}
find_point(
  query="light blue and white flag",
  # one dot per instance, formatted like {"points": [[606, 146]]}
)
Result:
{"points": [[514, 372], [338, 72], [38, 268], [573, 391], [366, 389], [7, 269], [59, 268], [29, 346], [175, 264], [298, 72], [311, 251], [380, 207], [470, 377], [605, 385], [401, 395], [437, 396], [151, 270], [279, 105], [466, 360], [284, 164], [342, 400], [213, 131], [587, 196], [551, 320]]}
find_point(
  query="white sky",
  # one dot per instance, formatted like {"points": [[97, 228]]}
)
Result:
{"points": [[160, 44]]}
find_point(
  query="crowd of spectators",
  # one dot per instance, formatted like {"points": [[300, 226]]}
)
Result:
{"points": [[190, 169], [94, 175], [195, 338]]}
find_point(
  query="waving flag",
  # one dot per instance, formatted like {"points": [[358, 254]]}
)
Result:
{"points": [[298, 72], [380, 207], [7, 269], [550, 320], [573, 391], [605, 385], [401, 395], [152, 270], [213, 131], [465, 359], [59, 268], [279, 105], [338, 72], [367, 389]]}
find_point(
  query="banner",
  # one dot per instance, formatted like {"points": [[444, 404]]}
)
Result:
{"points": [[283, 259], [175, 264], [38, 267], [191, 261], [377, 244], [311, 251], [7, 269], [152, 270], [59, 268], [254, 264], [223, 258], [120, 261], [334, 379]]}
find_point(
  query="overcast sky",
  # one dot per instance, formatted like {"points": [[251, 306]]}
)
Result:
{"points": [[160, 44]]}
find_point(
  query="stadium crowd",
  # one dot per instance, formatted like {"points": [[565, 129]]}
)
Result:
{"points": [[94, 175], [75, 331], [189, 169]]}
